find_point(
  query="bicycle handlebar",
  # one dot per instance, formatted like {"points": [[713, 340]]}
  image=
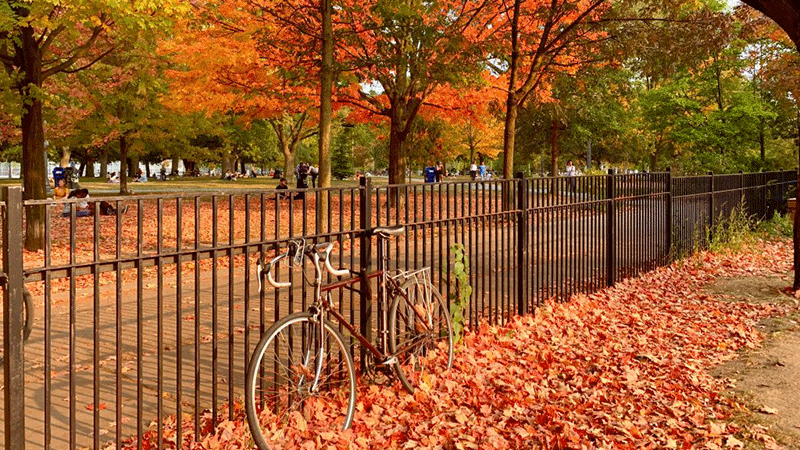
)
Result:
{"points": [[276, 284], [299, 249]]}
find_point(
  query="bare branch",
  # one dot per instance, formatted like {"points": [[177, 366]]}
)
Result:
{"points": [[91, 63], [51, 37], [77, 53]]}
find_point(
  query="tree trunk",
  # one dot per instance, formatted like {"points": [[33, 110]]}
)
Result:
{"points": [[89, 168], [104, 163], [147, 169], [325, 113], [554, 148], [66, 154], [189, 166], [123, 165], [288, 161], [761, 142], [33, 160], [226, 163], [397, 155], [176, 161], [512, 101]]}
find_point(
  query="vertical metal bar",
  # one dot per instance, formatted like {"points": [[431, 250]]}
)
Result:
{"points": [[178, 319], [611, 244], [291, 272], [247, 240], [329, 194], [231, 308], [365, 262], [96, 327], [711, 206], [118, 338], [139, 323], [448, 244], [214, 311], [197, 383], [522, 241], [352, 250], [482, 237], [160, 319], [14, 357], [304, 232], [424, 227], [48, 328], [442, 257]]}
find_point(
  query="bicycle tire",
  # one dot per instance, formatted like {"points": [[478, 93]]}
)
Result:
{"points": [[29, 313], [266, 413], [417, 352]]}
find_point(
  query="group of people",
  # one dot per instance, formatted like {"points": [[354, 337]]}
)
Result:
{"points": [[83, 207], [479, 170], [303, 172], [434, 174]]}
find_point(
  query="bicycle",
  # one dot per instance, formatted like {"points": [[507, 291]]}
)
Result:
{"points": [[301, 373]]}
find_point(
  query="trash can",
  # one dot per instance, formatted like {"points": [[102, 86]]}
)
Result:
{"points": [[430, 174]]}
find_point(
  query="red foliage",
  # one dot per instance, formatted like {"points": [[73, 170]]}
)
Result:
{"points": [[623, 368]]}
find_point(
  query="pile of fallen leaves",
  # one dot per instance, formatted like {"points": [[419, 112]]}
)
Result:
{"points": [[623, 368]]}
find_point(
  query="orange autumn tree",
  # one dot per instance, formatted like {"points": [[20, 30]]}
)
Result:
{"points": [[235, 60], [397, 55], [41, 39], [537, 39], [470, 127]]}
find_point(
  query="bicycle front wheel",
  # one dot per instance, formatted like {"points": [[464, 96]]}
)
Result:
{"points": [[301, 377], [420, 333]]}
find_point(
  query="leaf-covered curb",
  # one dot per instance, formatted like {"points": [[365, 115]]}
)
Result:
{"points": [[622, 368]]}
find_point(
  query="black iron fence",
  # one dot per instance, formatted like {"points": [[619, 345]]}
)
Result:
{"points": [[148, 317]]}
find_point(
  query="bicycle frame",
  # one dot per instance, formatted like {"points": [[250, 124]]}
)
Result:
{"points": [[323, 306]]}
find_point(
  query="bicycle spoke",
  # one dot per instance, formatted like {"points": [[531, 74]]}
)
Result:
{"points": [[420, 333], [300, 384]]}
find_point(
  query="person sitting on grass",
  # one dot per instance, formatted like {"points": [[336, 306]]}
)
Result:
{"points": [[81, 206], [281, 186], [60, 192], [84, 208]]}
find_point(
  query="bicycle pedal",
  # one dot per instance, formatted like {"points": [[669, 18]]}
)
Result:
{"points": [[386, 363]]}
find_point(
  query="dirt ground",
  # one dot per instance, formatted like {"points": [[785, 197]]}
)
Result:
{"points": [[767, 379]]}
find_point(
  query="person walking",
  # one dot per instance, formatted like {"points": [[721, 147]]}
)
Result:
{"points": [[473, 170], [482, 170], [571, 174], [439, 171], [313, 171]]}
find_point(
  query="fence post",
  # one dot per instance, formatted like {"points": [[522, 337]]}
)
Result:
{"points": [[14, 378], [522, 242], [668, 190], [611, 232], [365, 263], [711, 220]]}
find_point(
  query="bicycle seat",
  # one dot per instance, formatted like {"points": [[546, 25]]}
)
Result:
{"points": [[385, 232]]}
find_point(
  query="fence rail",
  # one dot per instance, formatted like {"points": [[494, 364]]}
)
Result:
{"points": [[149, 316]]}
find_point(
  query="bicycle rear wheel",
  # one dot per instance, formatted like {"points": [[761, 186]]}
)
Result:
{"points": [[300, 377], [420, 333], [28, 326]]}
